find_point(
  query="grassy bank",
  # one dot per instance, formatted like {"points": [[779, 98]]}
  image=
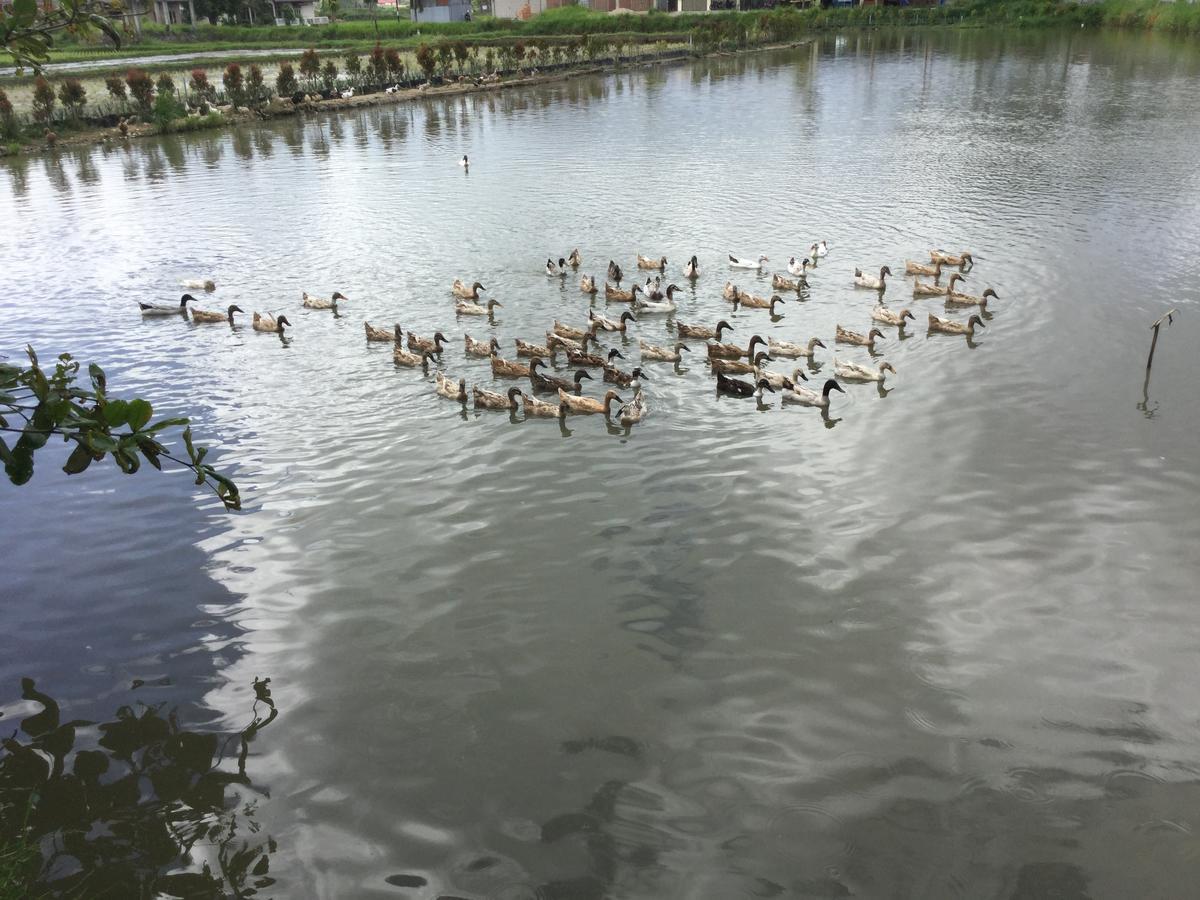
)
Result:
{"points": [[728, 28]]}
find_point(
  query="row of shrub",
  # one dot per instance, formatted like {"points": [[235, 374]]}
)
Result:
{"points": [[163, 101]]}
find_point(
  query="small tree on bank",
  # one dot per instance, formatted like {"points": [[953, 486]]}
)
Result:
{"points": [[8, 120], [255, 87], [43, 101], [141, 88], [73, 97], [235, 85], [285, 81], [310, 68]]}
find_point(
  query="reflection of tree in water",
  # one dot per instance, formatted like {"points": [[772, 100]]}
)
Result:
{"points": [[144, 810]]}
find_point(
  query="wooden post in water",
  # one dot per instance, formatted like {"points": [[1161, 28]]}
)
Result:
{"points": [[1169, 316]]}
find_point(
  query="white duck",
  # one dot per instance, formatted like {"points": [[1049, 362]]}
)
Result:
{"points": [[819, 249], [310, 302], [793, 351], [467, 308], [164, 309], [661, 306], [870, 282], [854, 372], [739, 263], [691, 268], [633, 411], [799, 268], [554, 270], [809, 397], [464, 162], [198, 284], [890, 317]]}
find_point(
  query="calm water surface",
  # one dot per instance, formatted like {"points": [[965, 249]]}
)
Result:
{"points": [[942, 643]]}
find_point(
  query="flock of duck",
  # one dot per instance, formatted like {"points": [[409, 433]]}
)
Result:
{"points": [[580, 347]]}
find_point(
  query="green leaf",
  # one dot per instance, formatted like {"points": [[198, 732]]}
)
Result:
{"points": [[116, 412], [79, 460], [23, 12], [5, 454], [100, 442], [164, 423], [139, 413], [98, 379]]}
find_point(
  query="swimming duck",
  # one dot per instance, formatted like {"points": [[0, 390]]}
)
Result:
{"points": [[733, 351], [402, 357], [799, 268], [464, 162], [526, 348], [574, 260], [570, 331], [779, 283], [616, 295], [585, 405], [645, 262], [587, 285], [809, 397], [732, 292], [160, 309], [947, 259], [819, 249], [557, 340], [614, 271], [542, 409], [204, 315], [547, 383], [653, 288], [310, 302], [948, 326], [467, 308], [691, 269], [555, 270], [662, 306], [198, 284], [890, 317], [662, 354], [912, 267], [870, 281], [782, 382], [632, 379], [460, 289], [952, 299], [622, 325], [738, 263], [737, 367], [382, 334], [928, 289], [477, 348], [591, 359], [268, 322], [503, 368], [702, 331], [844, 336], [454, 390], [633, 411], [750, 301], [491, 400], [794, 351], [849, 371], [738, 388], [426, 345]]}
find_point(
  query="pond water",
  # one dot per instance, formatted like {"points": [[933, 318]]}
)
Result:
{"points": [[940, 642]]}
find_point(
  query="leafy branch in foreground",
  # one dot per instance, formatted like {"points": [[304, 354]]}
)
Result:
{"points": [[27, 27], [38, 406]]}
